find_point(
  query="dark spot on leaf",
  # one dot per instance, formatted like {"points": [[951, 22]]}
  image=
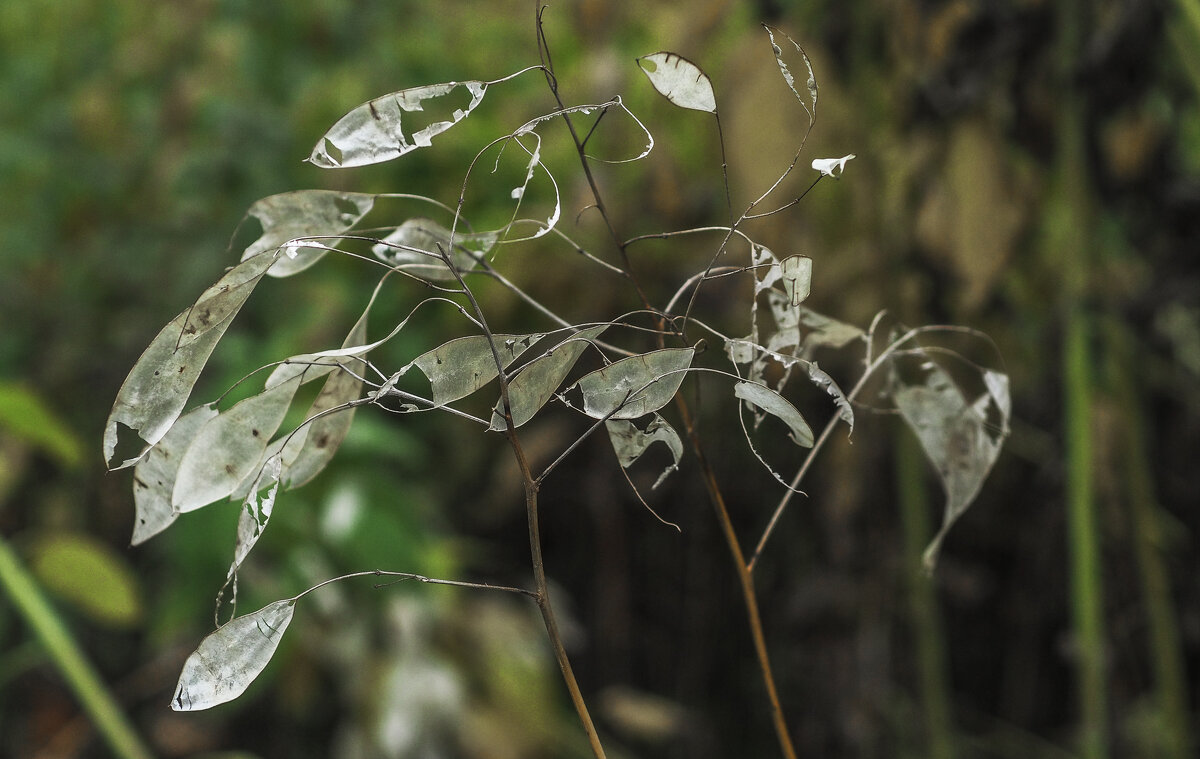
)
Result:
{"points": [[322, 441], [230, 470], [255, 433], [138, 483], [374, 113]]}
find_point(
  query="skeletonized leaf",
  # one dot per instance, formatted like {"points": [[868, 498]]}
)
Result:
{"points": [[635, 386], [291, 217], [773, 403], [154, 476], [460, 367], [229, 659], [630, 443], [956, 437], [413, 247], [811, 84], [228, 448], [826, 383], [254, 515], [796, 273], [533, 385], [679, 80], [374, 131]]}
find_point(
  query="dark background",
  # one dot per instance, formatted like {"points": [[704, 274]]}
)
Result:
{"points": [[1029, 169]]}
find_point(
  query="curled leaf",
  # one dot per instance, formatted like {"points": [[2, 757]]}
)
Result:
{"points": [[635, 386], [822, 380], [229, 659], [773, 403], [832, 167], [374, 131], [957, 438], [679, 80], [630, 443], [293, 221], [811, 84]]}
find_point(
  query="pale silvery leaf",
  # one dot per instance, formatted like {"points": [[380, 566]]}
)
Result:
{"points": [[822, 380], [635, 386], [460, 367], [956, 437], [289, 218], [535, 383], [254, 515], [374, 131], [811, 83], [831, 167], [229, 447], [415, 247], [630, 443], [225, 298], [229, 659], [154, 476], [796, 273], [679, 80], [773, 403]]}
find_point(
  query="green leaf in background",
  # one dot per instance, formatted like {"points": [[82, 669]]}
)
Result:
{"points": [[89, 575], [24, 415]]}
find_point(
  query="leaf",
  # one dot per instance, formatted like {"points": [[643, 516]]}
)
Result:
{"points": [[773, 403], [635, 386], [811, 84], [679, 80], [826, 383], [413, 247], [832, 167], [956, 437], [154, 476], [373, 132], [534, 383], [225, 298], [796, 273], [28, 418], [291, 217], [228, 448], [229, 659], [460, 367], [253, 517], [89, 575], [630, 443]]}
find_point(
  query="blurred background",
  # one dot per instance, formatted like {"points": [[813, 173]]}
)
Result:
{"points": [[1029, 169]]}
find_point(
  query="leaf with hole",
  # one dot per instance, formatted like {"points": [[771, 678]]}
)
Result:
{"points": [[635, 386], [810, 84], [958, 439], [375, 132], [630, 443], [157, 388], [229, 659], [535, 383], [154, 476], [460, 367], [299, 222], [228, 448], [679, 80], [254, 515], [766, 399]]}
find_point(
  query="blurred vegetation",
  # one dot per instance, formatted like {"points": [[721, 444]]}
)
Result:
{"points": [[133, 136]]}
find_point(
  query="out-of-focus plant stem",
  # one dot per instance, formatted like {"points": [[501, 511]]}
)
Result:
{"points": [[1166, 650], [33, 606], [1069, 221], [922, 603]]}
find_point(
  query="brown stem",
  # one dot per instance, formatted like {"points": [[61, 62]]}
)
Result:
{"points": [[744, 578]]}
